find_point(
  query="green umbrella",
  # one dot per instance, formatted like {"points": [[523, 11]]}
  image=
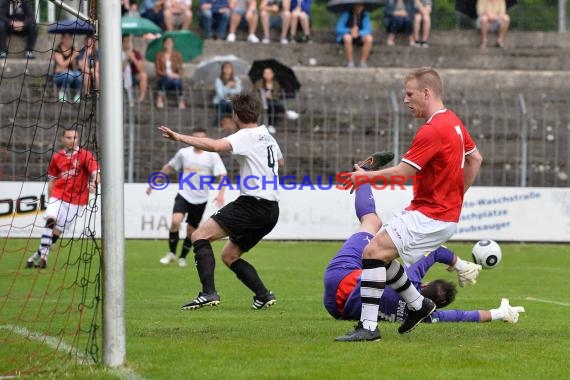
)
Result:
{"points": [[187, 43], [137, 26]]}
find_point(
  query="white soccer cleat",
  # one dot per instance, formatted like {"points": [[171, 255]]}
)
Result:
{"points": [[468, 274], [182, 262], [511, 313], [168, 258]]}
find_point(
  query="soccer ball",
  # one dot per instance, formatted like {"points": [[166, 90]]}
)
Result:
{"points": [[487, 253]]}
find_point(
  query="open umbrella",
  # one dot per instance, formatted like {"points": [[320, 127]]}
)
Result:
{"points": [[187, 43], [208, 70], [339, 6], [71, 27], [469, 7], [283, 74], [137, 26]]}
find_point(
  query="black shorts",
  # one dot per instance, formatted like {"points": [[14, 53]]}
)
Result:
{"points": [[194, 211], [247, 220]]}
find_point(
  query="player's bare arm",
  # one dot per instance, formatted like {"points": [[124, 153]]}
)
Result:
{"points": [[360, 176], [281, 162], [203, 143], [471, 169], [94, 180], [50, 187], [220, 197], [168, 170]]}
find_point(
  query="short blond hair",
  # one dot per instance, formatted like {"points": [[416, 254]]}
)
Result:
{"points": [[427, 77]]}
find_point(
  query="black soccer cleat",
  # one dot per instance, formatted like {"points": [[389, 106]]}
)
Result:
{"points": [[30, 264], [416, 316], [376, 160], [264, 302], [203, 299], [360, 334]]}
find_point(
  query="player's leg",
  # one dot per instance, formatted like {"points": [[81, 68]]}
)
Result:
{"points": [[195, 213], [178, 211], [55, 217]]}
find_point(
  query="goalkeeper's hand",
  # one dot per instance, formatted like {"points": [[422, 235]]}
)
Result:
{"points": [[469, 274], [510, 313]]}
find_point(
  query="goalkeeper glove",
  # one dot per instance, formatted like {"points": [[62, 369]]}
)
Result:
{"points": [[506, 312], [467, 272]]}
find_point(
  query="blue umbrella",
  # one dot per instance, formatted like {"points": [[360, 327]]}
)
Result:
{"points": [[71, 27]]}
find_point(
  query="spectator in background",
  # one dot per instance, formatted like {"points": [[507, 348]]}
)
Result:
{"points": [[158, 12], [269, 8], [398, 18], [272, 94], [169, 72], [492, 16], [129, 8], [134, 59], [17, 17], [422, 22], [301, 13], [354, 28], [226, 85], [88, 62], [181, 14], [66, 73], [214, 14], [244, 12]]}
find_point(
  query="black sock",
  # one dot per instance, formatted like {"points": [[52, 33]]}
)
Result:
{"points": [[186, 245], [173, 241], [205, 263], [248, 275]]}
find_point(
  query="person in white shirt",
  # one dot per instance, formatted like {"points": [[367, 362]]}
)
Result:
{"points": [[194, 164], [251, 216]]}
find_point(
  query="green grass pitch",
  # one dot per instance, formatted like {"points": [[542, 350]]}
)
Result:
{"points": [[294, 339]]}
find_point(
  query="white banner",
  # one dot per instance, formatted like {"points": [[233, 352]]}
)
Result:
{"points": [[498, 213]]}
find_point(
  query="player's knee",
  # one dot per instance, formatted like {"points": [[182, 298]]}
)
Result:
{"points": [[229, 257], [50, 223]]}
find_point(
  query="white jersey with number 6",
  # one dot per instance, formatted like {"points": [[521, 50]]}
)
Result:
{"points": [[257, 153]]}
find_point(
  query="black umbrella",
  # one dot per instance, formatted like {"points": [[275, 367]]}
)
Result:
{"points": [[71, 27], [469, 7], [283, 74], [339, 6]]}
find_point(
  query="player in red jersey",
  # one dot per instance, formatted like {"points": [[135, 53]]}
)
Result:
{"points": [[444, 162], [73, 173]]}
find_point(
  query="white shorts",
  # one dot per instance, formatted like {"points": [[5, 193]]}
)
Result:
{"points": [[62, 212], [414, 234]]}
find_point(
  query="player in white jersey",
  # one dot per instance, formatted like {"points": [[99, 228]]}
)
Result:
{"points": [[250, 217], [197, 168]]}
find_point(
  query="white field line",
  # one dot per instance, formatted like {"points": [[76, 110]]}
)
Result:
{"points": [[547, 301], [57, 344]]}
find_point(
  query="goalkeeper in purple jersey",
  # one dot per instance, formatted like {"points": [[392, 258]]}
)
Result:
{"points": [[342, 278]]}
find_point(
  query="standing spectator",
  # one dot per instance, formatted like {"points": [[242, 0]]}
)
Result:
{"points": [[269, 8], [158, 12], [398, 18], [169, 72], [354, 28], [135, 60], [244, 12], [215, 14], [88, 61], [226, 86], [301, 14], [17, 17], [181, 14], [422, 22], [66, 73], [492, 16]]}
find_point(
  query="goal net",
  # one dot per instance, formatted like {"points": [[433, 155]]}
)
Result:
{"points": [[50, 317]]}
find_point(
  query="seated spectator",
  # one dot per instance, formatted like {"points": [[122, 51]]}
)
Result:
{"points": [[492, 16], [214, 14], [244, 12], [181, 14], [398, 18], [271, 95], [169, 72], [301, 13], [134, 59], [226, 85], [17, 17], [422, 22], [129, 8], [88, 62], [269, 8], [158, 12], [66, 73], [354, 28]]}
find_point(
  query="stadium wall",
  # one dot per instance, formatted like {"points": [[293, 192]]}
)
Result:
{"points": [[499, 213]]}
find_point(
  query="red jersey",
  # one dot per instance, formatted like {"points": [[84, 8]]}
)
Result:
{"points": [[438, 152], [71, 173]]}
